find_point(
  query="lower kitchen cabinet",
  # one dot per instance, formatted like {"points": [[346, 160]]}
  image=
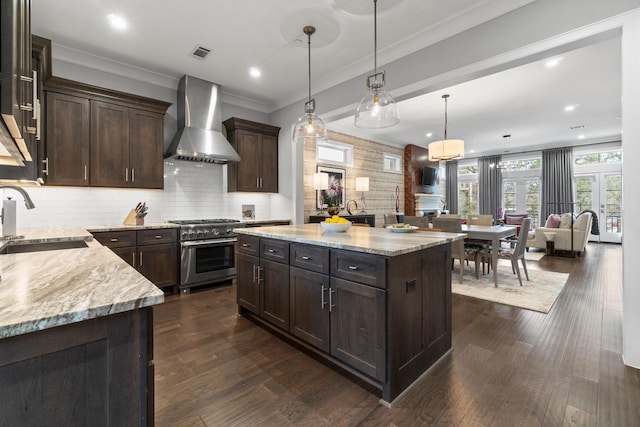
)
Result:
{"points": [[263, 287], [153, 252], [309, 307]]}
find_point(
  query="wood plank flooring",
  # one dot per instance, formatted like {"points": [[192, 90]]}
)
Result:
{"points": [[508, 367]]}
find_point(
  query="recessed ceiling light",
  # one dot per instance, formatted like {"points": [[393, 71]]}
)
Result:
{"points": [[569, 108], [117, 22], [429, 134], [255, 72], [581, 136], [472, 151], [554, 62]]}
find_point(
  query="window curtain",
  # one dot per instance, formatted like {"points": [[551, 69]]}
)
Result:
{"points": [[556, 195], [489, 185], [451, 196]]}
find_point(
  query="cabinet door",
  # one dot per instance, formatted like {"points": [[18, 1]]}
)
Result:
{"points": [[128, 254], [309, 294], [146, 136], [274, 301], [269, 163], [357, 326], [248, 292], [67, 140], [109, 145], [159, 263], [248, 144]]}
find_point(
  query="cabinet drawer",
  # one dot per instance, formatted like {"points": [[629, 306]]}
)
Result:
{"points": [[116, 239], [314, 258], [248, 244], [362, 268], [275, 250], [157, 235]]}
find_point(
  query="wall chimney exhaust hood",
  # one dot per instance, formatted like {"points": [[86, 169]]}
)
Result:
{"points": [[199, 123]]}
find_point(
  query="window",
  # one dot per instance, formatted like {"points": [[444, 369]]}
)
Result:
{"points": [[533, 200], [509, 196], [598, 158], [335, 153], [391, 163], [468, 198]]}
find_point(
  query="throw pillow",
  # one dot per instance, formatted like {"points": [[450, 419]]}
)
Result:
{"points": [[565, 220], [553, 221]]}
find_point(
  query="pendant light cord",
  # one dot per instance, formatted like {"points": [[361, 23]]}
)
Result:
{"points": [[309, 59], [375, 37], [445, 117]]}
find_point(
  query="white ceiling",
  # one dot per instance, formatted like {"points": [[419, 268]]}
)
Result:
{"points": [[526, 102]]}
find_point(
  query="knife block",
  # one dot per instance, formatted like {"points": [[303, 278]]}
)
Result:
{"points": [[133, 219]]}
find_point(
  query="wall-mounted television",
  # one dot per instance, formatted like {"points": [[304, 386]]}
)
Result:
{"points": [[429, 176]]}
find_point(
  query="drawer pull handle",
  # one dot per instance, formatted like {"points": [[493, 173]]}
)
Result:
{"points": [[306, 258], [331, 305], [245, 245], [323, 302], [353, 267], [114, 240], [158, 236], [272, 251]]}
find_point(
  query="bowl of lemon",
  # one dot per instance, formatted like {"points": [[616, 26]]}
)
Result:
{"points": [[335, 224]]}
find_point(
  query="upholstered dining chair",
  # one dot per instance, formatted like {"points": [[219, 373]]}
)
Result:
{"points": [[458, 250], [514, 253]]}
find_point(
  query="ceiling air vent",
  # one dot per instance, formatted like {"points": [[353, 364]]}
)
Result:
{"points": [[200, 52]]}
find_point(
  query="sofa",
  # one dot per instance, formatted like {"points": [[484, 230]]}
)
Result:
{"points": [[561, 226]]}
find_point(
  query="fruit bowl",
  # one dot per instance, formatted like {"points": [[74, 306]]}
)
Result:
{"points": [[340, 227]]}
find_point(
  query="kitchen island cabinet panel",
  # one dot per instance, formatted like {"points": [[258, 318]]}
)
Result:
{"points": [[309, 298], [248, 292], [274, 295], [92, 372], [67, 142], [358, 326]]}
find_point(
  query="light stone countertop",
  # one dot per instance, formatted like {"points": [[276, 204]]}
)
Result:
{"points": [[372, 240], [98, 228], [40, 290]]}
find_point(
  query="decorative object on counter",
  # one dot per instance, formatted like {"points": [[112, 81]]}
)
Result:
{"points": [[377, 109], [136, 215], [354, 204], [362, 185], [310, 127], [248, 212], [9, 211], [446, 149], [335, 224], [320, 182], [334, 196]]}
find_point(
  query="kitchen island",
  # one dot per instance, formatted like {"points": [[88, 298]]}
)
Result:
{"points": [[76, 335], [374, 302]]}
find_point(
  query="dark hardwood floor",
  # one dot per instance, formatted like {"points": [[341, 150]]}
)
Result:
{"points": [[508, 367]]}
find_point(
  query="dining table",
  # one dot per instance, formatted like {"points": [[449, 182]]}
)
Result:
{"points": [[493, 234]]}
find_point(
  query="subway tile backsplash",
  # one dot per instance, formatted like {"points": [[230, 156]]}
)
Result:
{"points": [[191, 190]]}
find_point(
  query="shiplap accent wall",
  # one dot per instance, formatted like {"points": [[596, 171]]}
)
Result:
{"points": [[368, 161]]}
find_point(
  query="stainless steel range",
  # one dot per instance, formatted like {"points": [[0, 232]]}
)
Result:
{"points": [[207, 251]]}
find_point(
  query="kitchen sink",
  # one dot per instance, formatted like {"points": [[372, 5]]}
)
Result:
{"points": [[18, 248]]}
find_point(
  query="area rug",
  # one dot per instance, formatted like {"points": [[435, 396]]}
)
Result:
{"points": [[538, 294]]}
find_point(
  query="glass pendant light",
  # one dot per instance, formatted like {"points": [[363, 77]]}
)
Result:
{"points": [[377, 109], [446, 149], [310, 127]]}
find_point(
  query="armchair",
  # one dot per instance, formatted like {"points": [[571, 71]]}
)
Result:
{"points": [[514, 219], [581, 230]]}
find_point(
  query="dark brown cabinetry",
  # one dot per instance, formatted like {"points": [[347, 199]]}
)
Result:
{"points": [[118, 140], [153, 252], [263, 281], [257, 145], [384, 319], [358, 219], [96, 372]]}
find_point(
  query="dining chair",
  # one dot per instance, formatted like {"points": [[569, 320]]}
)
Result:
{"points": [[480, 220], [449, 216], [390, 219], [514, 253], [458, 249], [477, 243]]}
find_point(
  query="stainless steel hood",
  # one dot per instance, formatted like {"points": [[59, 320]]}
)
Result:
{"points": [[199, 123]]}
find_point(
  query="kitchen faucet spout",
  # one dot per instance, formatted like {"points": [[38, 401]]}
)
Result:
{"points": [[27, 199]]}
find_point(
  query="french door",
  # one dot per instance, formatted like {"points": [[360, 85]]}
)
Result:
{"points": [[602, 193]]}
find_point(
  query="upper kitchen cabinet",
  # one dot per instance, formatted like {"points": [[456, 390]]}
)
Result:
{"points": [[257, 145], [103, 138]]}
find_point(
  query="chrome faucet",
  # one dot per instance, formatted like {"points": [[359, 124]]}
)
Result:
{"points": [[9, 211]]}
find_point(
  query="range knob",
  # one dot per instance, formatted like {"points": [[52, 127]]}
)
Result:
{"points": [[216, 232], [184, 235], [206, 232]]}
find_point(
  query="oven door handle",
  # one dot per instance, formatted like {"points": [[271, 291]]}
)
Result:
{"points": [[208, 242]]}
